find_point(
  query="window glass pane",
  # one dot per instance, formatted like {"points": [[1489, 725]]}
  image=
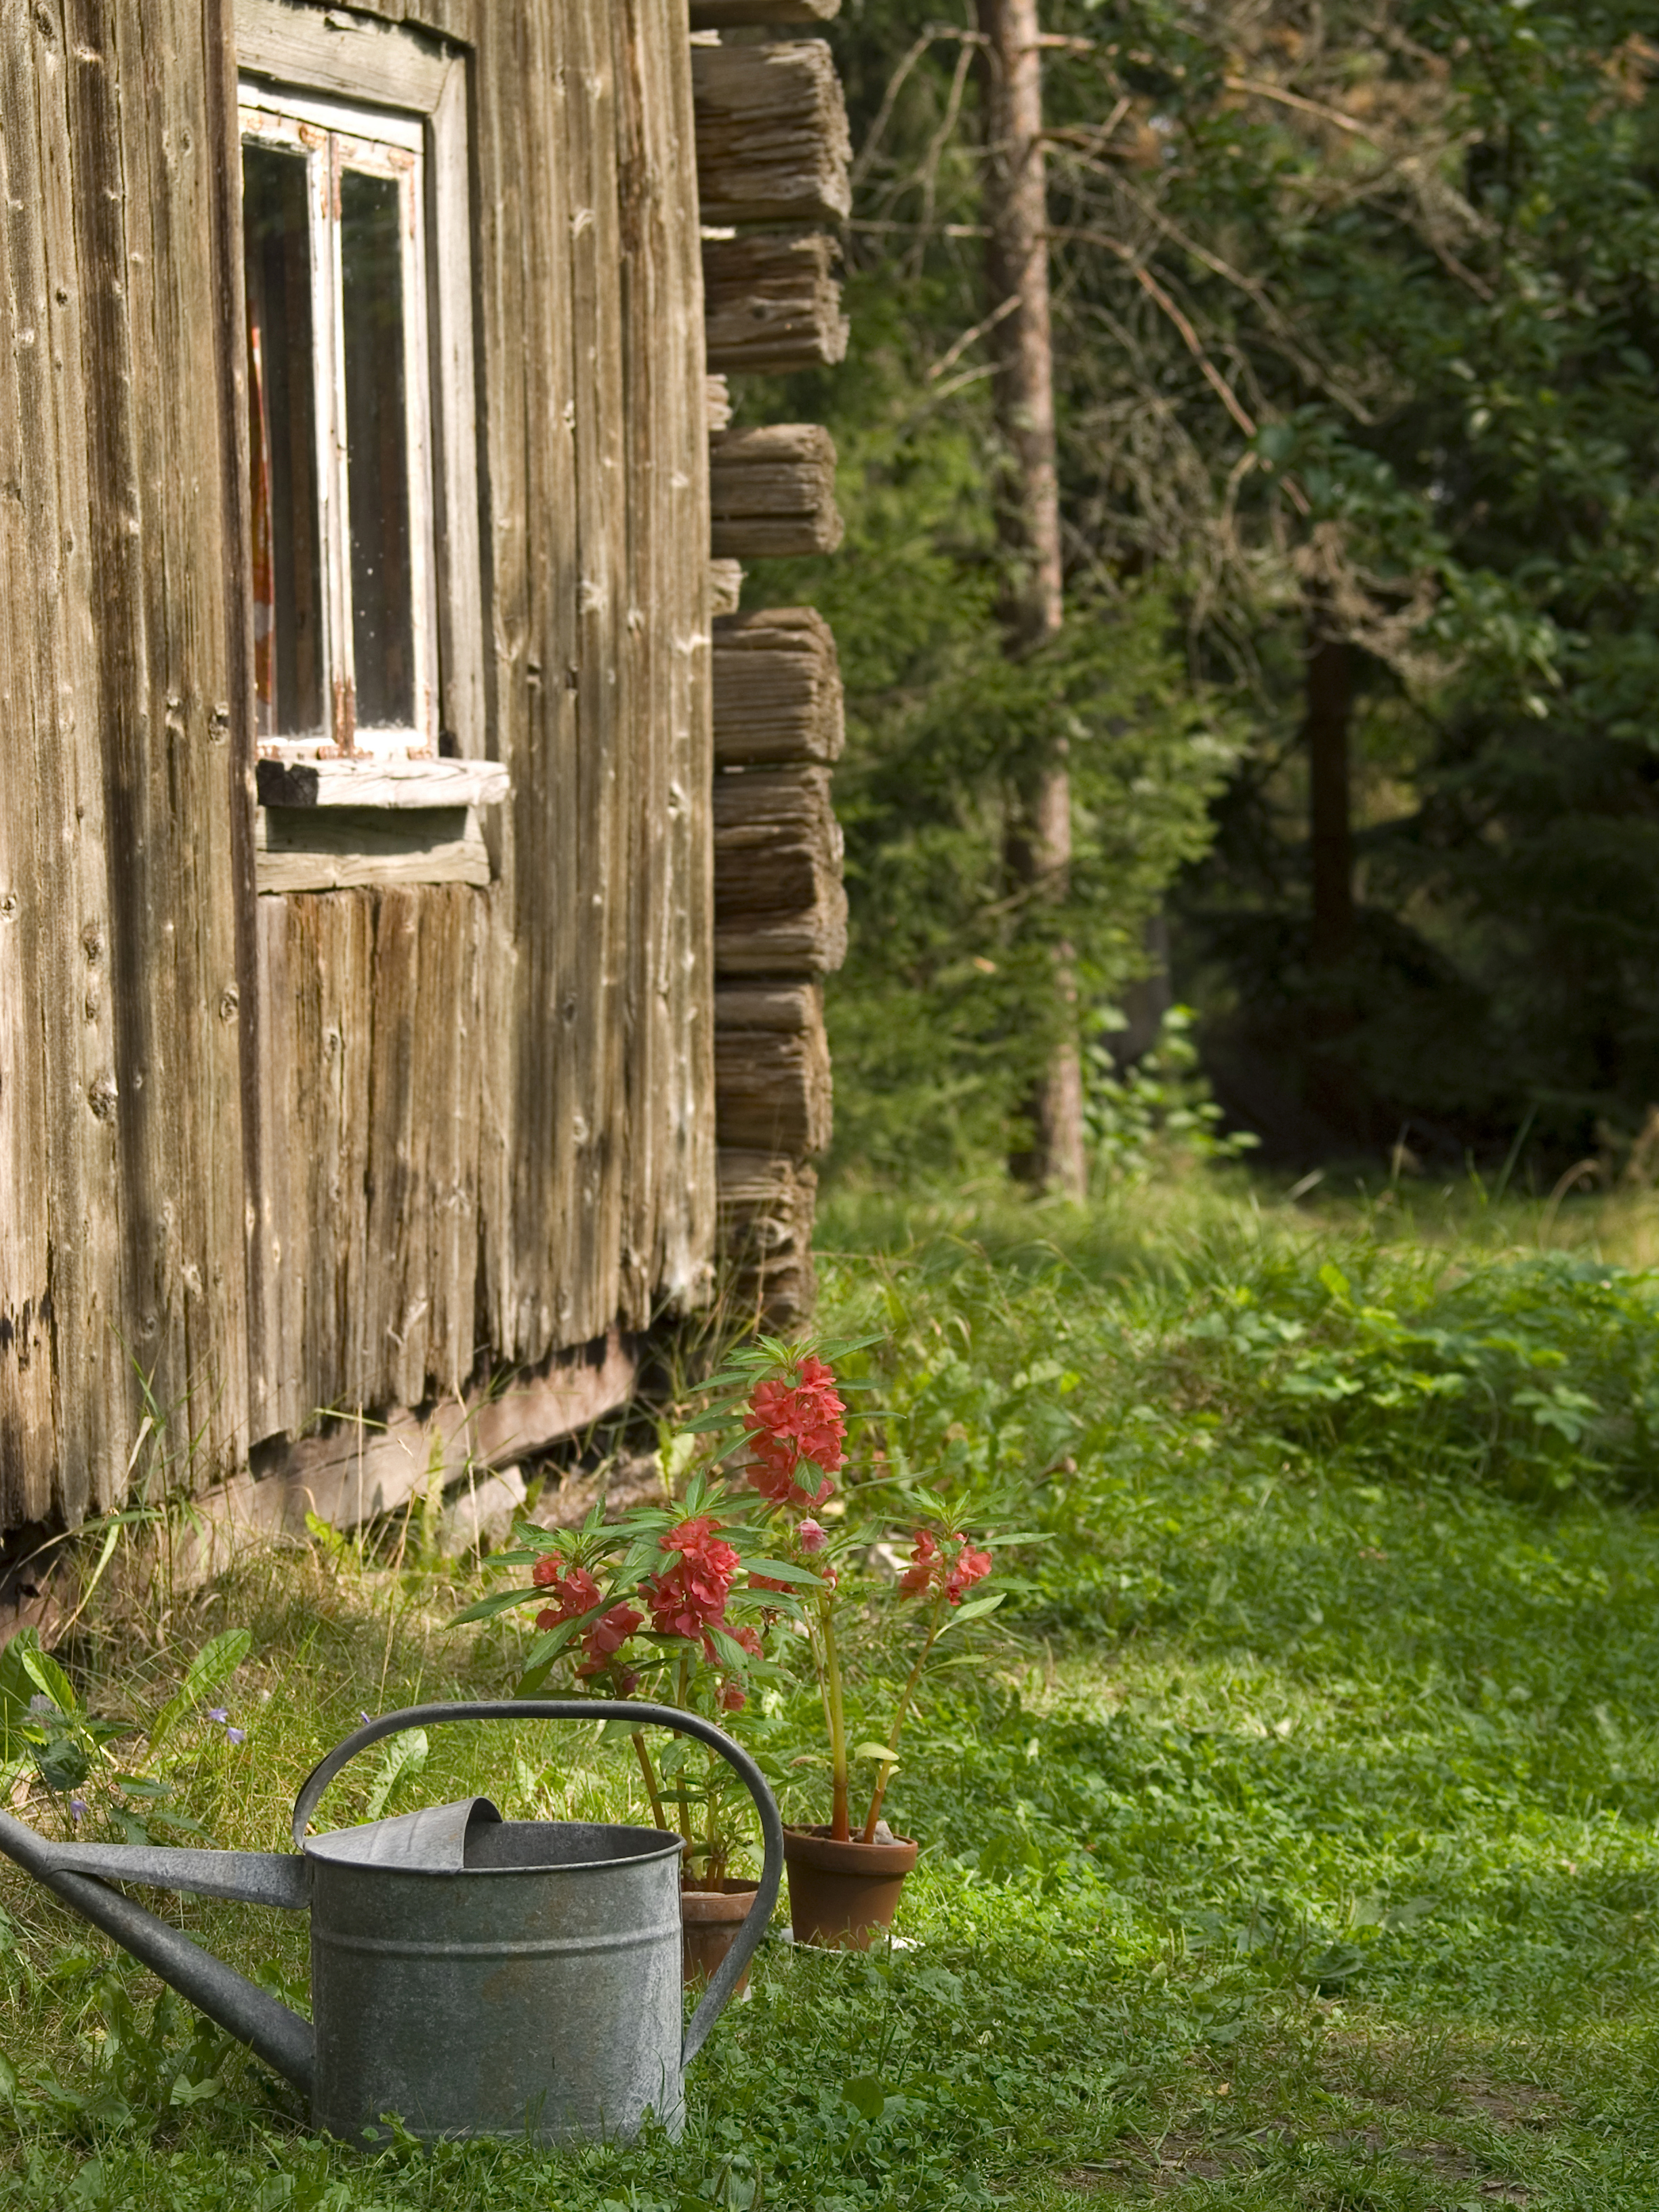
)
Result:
{"points": [[377, 448], [288, 581]]}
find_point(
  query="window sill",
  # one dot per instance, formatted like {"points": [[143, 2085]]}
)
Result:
{"points": [[335, 825], [382, 783]]}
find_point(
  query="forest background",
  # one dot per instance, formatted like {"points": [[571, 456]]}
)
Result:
{"points": [[1358, 443]]}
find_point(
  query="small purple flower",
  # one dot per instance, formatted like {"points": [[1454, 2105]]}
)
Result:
{"points": [[364, 1717], [218, 1713], [77, 1809], [235, 1735]]}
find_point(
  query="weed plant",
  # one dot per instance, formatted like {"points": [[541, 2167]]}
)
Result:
{"points": [[1297, 1849]]}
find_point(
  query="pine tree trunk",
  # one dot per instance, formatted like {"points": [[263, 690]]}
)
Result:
{"points": [[1039, 844]]}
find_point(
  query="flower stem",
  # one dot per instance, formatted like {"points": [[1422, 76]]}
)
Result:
{"points": [[683, 1701], [835, 1712], [884, 1774], [650, 1774]]}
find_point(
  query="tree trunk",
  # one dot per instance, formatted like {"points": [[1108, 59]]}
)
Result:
{"points": [[1330, 709], [1017, 270]]}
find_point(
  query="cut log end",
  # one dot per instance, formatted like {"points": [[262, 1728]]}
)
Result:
{"points": [[733, 14], [772, 302], [773, 142], [777, 688], [767, 1202]]}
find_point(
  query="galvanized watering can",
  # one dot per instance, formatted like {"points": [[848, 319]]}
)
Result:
{"points": [[473, 1975]]}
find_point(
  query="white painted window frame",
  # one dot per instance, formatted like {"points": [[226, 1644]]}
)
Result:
{"points": [[331, 138], [384, 87]]}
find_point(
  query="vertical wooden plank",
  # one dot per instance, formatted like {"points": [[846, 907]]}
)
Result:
{"points": [[460, 611], [338, 929], [449, 1085], [587, 1259], [63, 1403], [669, 1219], [279, 1397], [28, 957], [145, 232], [171, 99], [514, 88], [224, 130], [397, 1288]]}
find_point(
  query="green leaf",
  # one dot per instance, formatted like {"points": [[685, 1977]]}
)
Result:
{"points": [[486, 1608], [972, 1610], [402, 1758], [707, 1424], [730, 1650], [62, 1765], [888, 1756], [1333, 1280], [844, 1347], [784, 1570], [49, 1678], [213, 1665], [196, 2093], [866, 2094]]}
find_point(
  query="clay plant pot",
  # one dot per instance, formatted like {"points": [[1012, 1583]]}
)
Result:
{"points": [[710, 1916], [840, 1895]]}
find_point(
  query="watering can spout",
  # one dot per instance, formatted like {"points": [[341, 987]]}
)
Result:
{"points": [[80, 1875]]}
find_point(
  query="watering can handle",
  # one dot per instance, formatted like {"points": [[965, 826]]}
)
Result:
{"points": [[637, 1714]]}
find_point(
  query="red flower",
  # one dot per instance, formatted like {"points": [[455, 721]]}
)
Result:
{"points": [[731, 1697], [611, 1631], [699, 1546], [573, 1594], [813, 1537], [919, 1575], [768, 1581], [931, 1568], [792, 1424], [689, 1598], [748, 1637], [971, 1566]]}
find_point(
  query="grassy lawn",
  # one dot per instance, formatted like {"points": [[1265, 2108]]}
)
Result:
{"points": [[1294, 1845]]}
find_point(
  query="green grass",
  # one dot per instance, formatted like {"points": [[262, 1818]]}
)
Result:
{"points": [[1295, 1847]]}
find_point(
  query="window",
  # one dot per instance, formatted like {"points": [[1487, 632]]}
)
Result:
{"points": [[339, 436], [367, 609]]}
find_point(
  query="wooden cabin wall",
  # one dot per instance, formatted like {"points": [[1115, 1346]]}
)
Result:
{"points": [[121, 1161], [333, 1151], [529, 1069]]}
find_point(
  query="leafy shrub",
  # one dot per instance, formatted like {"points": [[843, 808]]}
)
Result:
{"points": [[1540, 1374], [1157, 1113]]}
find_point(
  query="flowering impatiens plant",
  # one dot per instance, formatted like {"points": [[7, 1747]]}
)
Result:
{"points": [[678, 1600], [791, 1422], [660, 1600]]}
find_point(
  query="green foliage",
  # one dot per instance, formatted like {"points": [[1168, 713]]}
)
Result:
{"points": [[47, 1733], [1355, 339], [1158, 1113], [1292, 1849], [950, 999]]}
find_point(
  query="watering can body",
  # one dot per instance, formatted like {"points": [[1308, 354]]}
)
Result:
{"points": [[470, 1975]]}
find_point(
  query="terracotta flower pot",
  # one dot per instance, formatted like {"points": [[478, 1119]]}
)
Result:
{"points": [[841, 1894], [710, 1916]]}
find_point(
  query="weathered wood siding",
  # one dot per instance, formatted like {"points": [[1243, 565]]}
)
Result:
{"points": [[570, 1069], [121, 1158], [335, 1151]]}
